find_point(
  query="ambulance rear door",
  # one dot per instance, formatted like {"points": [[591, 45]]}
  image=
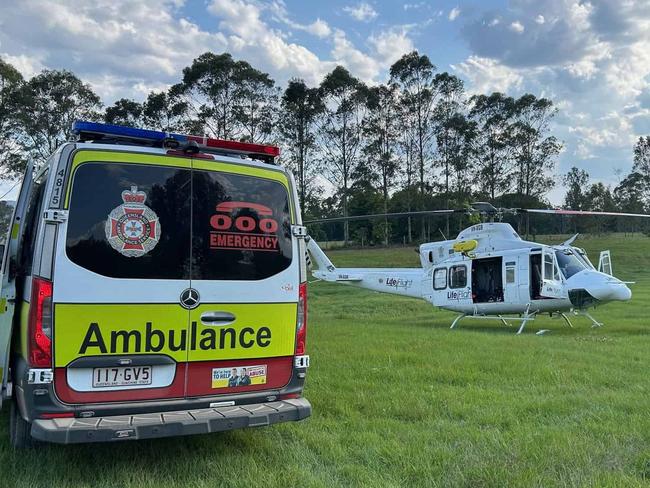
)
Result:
{"points": [[122, 263], [12, 247], [245, 272]]}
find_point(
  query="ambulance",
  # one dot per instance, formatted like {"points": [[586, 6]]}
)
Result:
{"points": [[153, 285]]}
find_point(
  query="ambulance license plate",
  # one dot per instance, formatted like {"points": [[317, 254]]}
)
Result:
{"points": [[121, 376]]}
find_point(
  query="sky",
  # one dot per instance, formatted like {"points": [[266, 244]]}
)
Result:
{"points": [[591, 57]]}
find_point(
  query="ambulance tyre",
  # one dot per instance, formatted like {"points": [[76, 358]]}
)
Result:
{"points": [[19, 430]]}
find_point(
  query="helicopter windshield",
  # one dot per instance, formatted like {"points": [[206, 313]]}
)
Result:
{"points": [[582, 255], [569, 263]]}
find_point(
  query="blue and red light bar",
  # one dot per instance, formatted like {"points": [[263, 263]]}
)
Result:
{"points": [[95, 131]]}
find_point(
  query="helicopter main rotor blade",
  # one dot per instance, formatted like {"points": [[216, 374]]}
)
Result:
{"points": [[560, 211], [379, 216]]}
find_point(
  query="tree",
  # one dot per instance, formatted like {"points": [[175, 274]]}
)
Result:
{"points": [[168, 111], [574, 181], [414, 74], [51, 102], [642, 166], [229, 99], [381, 129], [446, 116], [125, 112], [493, 148], [534, 150], [11, 157], [340, 131], [301, 107], [256, 106]]}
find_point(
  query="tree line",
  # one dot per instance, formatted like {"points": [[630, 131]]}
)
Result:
{"points": [[418, 141]]}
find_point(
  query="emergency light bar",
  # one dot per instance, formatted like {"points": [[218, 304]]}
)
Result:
{"points": [[109, 133]]}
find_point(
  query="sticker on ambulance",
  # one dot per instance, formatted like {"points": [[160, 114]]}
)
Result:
{"points": [[132, 229], [242, 376]]}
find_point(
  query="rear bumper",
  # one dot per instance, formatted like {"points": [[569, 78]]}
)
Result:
{"points": [[166, 424]]}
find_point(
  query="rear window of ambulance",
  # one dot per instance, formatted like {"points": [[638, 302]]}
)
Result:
{"points": [[241, 227], [159, 222]]}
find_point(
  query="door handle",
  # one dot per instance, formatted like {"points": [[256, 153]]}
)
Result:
{"points": [[217, 318]]}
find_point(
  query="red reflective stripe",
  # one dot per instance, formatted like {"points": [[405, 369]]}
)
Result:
{"points": [[62, 415]]}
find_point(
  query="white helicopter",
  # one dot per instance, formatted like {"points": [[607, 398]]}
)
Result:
{"points": [[490, 272]]}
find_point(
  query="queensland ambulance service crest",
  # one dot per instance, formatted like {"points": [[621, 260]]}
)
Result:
{"points": [[133, 229]]}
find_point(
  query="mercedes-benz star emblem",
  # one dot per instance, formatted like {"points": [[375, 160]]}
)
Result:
{"points": [[190, 298]]}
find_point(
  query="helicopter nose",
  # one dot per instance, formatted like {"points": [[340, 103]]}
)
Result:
{"points": [[610, 289], [599, 287]]}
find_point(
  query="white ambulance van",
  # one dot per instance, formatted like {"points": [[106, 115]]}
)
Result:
{"points": [[153, 285]]}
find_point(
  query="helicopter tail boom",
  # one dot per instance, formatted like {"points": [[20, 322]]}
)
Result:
{"points": [[398, 281]]}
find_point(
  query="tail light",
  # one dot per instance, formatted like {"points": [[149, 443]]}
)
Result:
{"points": [[40, 324], [301, 320]]}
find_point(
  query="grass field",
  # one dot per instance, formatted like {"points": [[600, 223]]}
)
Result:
{"points": [[400, 400]]}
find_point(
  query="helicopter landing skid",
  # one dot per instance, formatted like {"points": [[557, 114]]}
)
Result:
{"points": [[524, 319], [594, 322]]}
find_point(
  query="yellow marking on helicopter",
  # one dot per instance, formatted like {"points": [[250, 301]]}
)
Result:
{"points": [[465, 247]]}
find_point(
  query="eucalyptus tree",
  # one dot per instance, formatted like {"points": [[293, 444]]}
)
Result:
{"points": [[300, 108], [125, 112], [51, 101], [340, 131], [11, 156], [229, 99], [493, 155], [535, 151], [415, 76], [381, 131]]}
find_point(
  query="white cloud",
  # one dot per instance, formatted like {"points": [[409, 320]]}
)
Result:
{"points": [[540, 19], [517, 27], [390, 45], [454, 13], [413, 6], [487, 75], [319, 28], [360, 64], [363, 12], [28, 66]]}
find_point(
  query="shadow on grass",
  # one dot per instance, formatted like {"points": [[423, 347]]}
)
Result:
{"points": [[179, 461]]}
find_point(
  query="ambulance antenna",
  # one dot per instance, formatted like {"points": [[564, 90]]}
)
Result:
{"points": [[444, 237]]}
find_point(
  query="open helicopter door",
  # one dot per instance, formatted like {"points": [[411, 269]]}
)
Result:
{"points": [[552, 284], [605, 263], [9, 265]]}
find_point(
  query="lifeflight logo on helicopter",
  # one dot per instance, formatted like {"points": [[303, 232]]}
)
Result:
{"points": [[244, 232], [459, 294]]}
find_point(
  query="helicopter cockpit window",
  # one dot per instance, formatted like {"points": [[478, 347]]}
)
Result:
{"points": [[458, 276], [569, 263], [440, 279], [582, 256]]}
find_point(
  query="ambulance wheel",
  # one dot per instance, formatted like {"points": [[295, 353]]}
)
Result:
{"points": [[19, 430]]}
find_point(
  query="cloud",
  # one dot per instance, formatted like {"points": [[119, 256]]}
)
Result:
{"points": [[591, 58], [362, 12], [390, 45], [454, 13], [27, 66], [319, 28], [359, 63], [517, 27], [413, 6], [487, 75]]}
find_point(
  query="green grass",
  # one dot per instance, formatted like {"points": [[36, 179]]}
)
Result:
{"points": [[401, 400]]}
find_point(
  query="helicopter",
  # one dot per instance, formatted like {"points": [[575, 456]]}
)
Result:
{"points": [[490, 273]]}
